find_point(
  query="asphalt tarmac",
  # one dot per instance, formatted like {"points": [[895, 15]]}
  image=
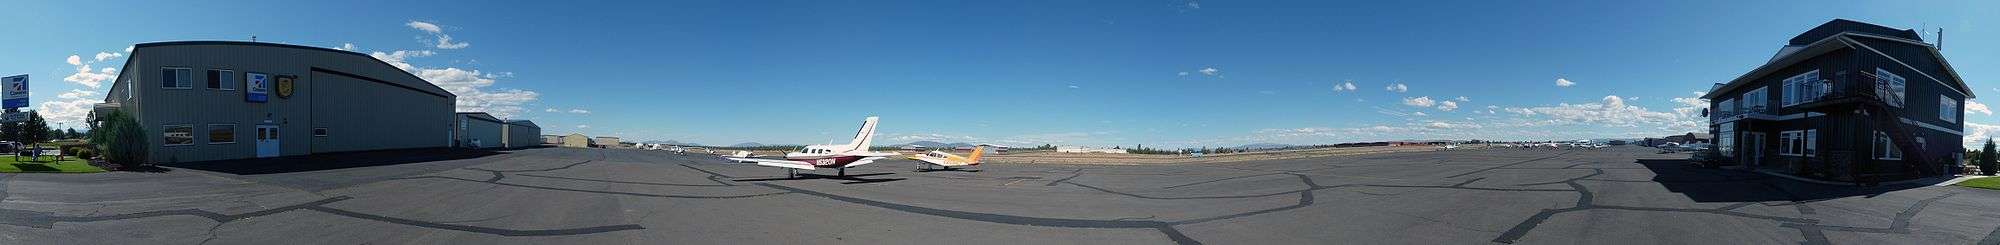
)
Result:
{"points": [[1619, 195]]}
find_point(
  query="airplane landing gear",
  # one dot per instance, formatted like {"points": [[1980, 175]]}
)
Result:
{"points": [[791, 173], [843, 171]]}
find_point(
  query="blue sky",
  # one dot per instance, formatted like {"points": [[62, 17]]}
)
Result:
{"points": [[1162, 73]]}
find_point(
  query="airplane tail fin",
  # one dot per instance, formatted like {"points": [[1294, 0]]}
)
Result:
{"points": [[865, 137], [976, 151]]}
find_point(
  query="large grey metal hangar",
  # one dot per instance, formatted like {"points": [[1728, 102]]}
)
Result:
{"points": [[219, 100]]}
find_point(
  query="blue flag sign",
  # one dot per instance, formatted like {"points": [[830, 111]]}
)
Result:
{"points": [[16, 95], [256, 87]]}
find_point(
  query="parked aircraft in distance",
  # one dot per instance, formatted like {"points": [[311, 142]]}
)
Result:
{"points": [[840, 157], [947, 160]]}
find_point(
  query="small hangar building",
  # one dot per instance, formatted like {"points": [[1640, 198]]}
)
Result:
{"points": [[521, 133], [221, 100], [480, 130]]}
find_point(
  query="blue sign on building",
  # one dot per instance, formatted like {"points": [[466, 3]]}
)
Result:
{"points": [[256, 87], [16, 94]]}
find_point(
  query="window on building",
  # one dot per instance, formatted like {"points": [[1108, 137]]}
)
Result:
{"points": [[1889, 86], [176, 77], [177, 135], [222, 79], [1885, 148], [1725, 108], [1803, 88], [319, 132], [1797, 142], [221, 133], [1726, 142], [1789, 143], [1947, 109], [1812, 142], [1756, 101]]}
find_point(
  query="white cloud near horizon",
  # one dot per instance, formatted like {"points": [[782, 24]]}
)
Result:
{"points": [[1564, 82]]}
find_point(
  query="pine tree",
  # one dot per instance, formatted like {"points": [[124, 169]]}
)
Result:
{"points": [[36, 130], [1986, 161]]}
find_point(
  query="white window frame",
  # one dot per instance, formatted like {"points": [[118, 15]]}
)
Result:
{"points": [[224, 80], [1812, 142], [1896, 85], [1885, 148], [1787, 140], [178, 82], [1948, 109], [233, 136], [164, 136], [1802, 88], [1763, 98]]}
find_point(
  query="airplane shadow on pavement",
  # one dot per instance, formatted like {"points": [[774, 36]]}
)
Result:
{"points": [[851, 179]]}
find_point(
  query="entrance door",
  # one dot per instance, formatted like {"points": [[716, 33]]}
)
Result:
{"points": [[1755, 144], [267, 141]]}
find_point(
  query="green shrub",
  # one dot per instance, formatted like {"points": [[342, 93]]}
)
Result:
{"points": [[85, 153], [120, 137]]}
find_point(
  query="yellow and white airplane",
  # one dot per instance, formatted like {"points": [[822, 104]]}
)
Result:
{"points": [[947, 160]]}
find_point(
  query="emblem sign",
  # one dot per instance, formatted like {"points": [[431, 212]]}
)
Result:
{"points": [[284, 86]]}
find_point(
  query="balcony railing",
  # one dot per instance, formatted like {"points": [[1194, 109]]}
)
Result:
{"points": [[1849, 87]]}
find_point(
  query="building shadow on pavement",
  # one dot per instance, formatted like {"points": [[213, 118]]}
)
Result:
{"points": [[1725, 185], [331, 161]]}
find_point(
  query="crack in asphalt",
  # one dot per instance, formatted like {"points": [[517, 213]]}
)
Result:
{"points": [[1164, 227], [46, 220]]}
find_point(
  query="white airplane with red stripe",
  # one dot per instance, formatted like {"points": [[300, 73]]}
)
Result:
{"points": [[840, 157]]}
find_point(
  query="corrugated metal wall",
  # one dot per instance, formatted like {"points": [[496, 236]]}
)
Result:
{"points": [[359, 114]]}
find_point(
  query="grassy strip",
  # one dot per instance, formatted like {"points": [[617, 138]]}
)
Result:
{"points": [[1985, 183], [67, 165]]}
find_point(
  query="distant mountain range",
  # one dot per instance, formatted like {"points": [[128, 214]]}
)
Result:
{"points": [[935, 144], [669, 142], [1264, 146], [747, 144]]}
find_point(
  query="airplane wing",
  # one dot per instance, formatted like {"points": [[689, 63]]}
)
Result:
{"points": [[865, 160], [776, 163], [942, 162]]}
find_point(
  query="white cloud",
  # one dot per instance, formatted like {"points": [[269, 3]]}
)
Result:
{"points": [[101, 56], [1464, 99], [76, 94], [1447, 105], [443, 41], [550, 110], [1397, 87], [582, 126], [1343, 86], [425, 26], [1563, 82], [1425, 102], [1613, 112], [1419, 114], [473, 94], [1973, 106], [75, 60], [1210, 71], [1976, 134], [347, 46], [399, 58], [1183, 73], [128, 49], [579, 111], [1074, 87]]}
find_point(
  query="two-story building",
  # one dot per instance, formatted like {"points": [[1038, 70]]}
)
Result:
{"points": [[1846, 101]]}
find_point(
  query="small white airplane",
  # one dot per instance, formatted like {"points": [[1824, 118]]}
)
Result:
{"points": [[947, 160], [1448, 147], [814, 157]]}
